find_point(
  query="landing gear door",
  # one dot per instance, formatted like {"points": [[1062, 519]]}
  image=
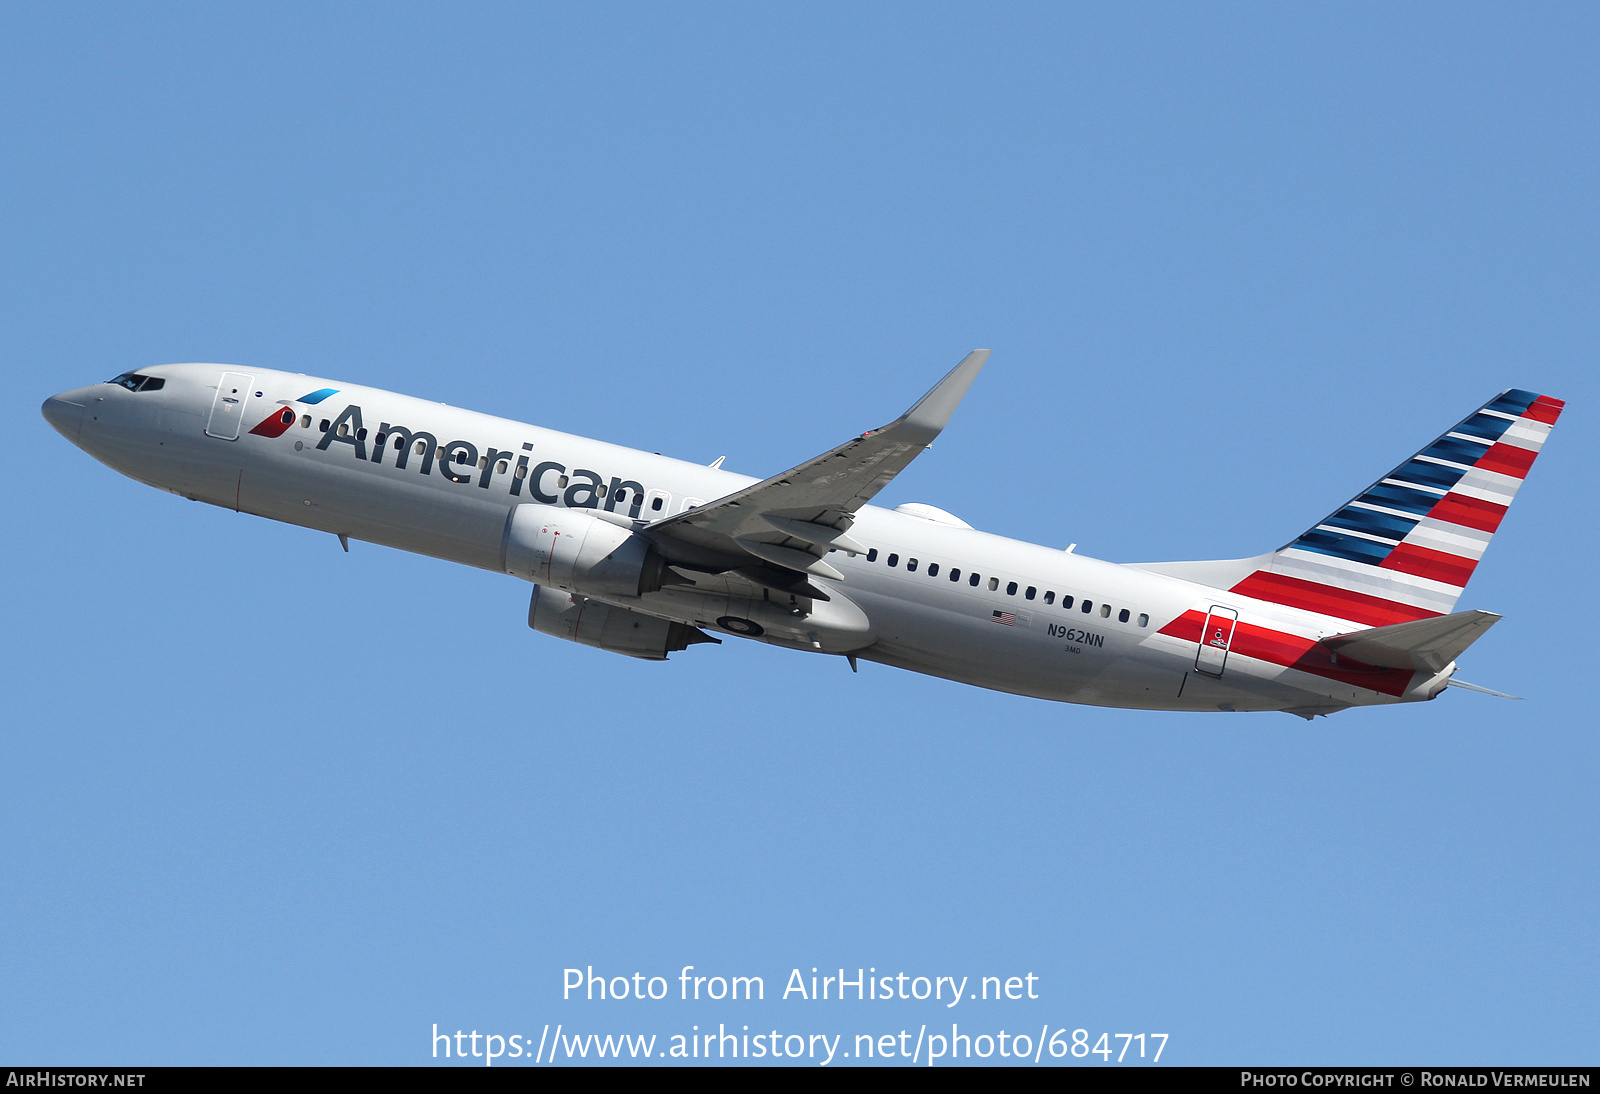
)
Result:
{"points": [[227, 409], [1216, 638]]}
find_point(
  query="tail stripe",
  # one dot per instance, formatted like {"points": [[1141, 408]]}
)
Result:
{"points": [[1353, 548], [1406, 547], [1462, 452], [1470, 512], [1507, 460], [1398, 495], [1371, 611], [1292, 651], [1371, 521], [1545, 409], [1425, 562], [1486, 427], [1514, 402]]}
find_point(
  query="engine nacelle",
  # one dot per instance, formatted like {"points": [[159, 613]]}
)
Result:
{"points": [[591, 623], [570, 550]]}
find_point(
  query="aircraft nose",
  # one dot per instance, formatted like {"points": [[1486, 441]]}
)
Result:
{"points": [[64, 412]]}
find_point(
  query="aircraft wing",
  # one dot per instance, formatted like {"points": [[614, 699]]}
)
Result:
{"points": [[780, 530]]}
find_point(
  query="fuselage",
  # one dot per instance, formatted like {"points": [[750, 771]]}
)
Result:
{"points": [[928, 595]]}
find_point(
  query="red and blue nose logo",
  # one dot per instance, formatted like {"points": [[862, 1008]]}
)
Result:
{"points": [[277, 423]]}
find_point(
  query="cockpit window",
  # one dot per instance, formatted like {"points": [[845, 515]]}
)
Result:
{"points": [[135, 382]]}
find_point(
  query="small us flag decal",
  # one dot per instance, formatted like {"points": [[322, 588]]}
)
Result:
{"points": [[1005, 619]]}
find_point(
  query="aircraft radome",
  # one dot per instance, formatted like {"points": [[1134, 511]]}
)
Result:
{"points": [[645, 555]]}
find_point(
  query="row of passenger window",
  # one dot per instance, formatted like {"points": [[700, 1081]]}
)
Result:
{"points": [[975, 580]]}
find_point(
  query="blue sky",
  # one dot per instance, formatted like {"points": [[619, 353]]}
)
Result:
{"points": [[270, 803]]}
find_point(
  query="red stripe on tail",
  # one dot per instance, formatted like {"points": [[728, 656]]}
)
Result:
{"points": [[1544, 409], [1507, 459], [1313, 596], [1294, 652], [1408, 558], [1485, 516]]}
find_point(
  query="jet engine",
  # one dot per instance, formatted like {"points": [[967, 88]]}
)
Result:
{"points": [[591, 623], [570, 550]]}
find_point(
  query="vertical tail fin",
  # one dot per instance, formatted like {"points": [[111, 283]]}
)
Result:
{"points": [[1405, 547]]}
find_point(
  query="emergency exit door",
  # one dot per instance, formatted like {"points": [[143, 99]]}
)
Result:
{"points": [[1216, 638]]}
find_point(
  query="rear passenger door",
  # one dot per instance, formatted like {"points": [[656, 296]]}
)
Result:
{"points": [[1216, 638]]}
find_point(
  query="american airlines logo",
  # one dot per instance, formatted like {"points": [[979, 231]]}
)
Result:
{"points": [[463, 462]]}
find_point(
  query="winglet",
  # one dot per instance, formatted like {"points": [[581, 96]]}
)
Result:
{"points": [[925, 421]]}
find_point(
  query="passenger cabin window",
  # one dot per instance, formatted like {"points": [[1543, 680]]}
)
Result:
{"points": [[1105, 611], [422, 446], [657, 504], [994, 584], [361, 434], [1031, 593], [933, 569], [894, 560], [522, 473], [1066, 602], [500, 468], [1011, 588], [322, 426], [1049, 596], [973, 580], [872, 552], [305, 423], [1144, 620], [1088, 606], [955, 573], [911, 565], [1122, 616]]}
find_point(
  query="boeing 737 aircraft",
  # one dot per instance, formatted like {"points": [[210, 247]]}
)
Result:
{"points": [[645, 555]]}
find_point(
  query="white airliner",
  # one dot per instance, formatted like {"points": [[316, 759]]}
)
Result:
{"points": [[644, 555]]}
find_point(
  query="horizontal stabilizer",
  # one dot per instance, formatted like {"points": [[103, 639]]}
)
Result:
{"points": [[1422, 645]]}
